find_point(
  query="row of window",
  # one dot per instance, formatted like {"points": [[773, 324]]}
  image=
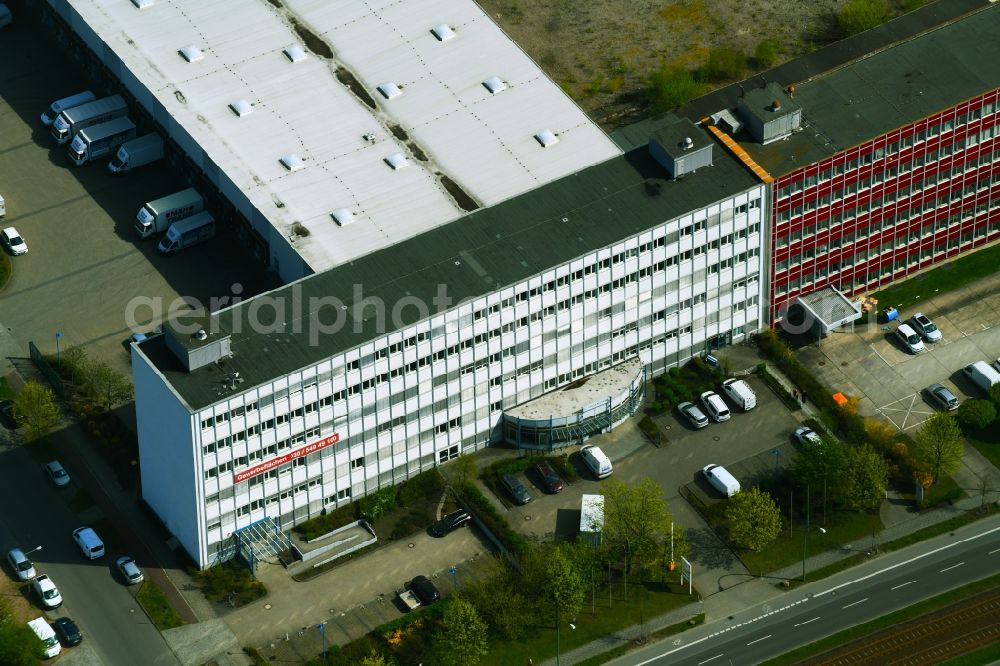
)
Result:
{"points": [[277, 447], [890, 149]]}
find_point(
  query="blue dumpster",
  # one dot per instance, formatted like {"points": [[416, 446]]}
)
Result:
{"points": [[891, 314]]}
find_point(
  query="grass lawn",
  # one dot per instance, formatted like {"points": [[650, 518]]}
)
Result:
{"points": [[5, 270], [843, 527], [644, 602], [908, 613], [5, 390], [946, 488], [151, 598], [655, 636], [956, 273], [987, 442]]}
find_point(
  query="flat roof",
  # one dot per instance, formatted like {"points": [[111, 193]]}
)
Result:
{"points": [[478, 254], [573, 398], [830, 306], [248, 105], [877, 93]]}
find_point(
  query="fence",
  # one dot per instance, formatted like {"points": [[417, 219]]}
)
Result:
{"points": [[47, 370]]}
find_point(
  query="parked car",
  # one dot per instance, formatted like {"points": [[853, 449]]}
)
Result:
{"points": [[425, 590], [13, 241], [8, 417], [515, 488], [67, 631], [449, 523], [90, 544], [804, 435], [909, 338], [596, 461], [129, 569], [57, 473], [47, 591], [715, 406], [694, 416], [941, 397], [553, 483], [20, 564], [721, 480], [925, 327]]}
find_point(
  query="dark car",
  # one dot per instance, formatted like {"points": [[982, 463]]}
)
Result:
{"points": [[515, 488], [425, 590], [7, 416], [449, 523], [67, 631], [551, 480], [941, 397]]}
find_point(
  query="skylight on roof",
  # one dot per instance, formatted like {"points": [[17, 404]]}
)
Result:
{"points": [[241, 107], [292, 162], [295, 53], [389, 90], [443, 32], [546, 138], [191, 53], [343, 217], [142, 4], [397, 161], [494, 85]]}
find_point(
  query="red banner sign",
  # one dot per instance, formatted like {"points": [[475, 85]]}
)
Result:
{"points": [[281, 460]]}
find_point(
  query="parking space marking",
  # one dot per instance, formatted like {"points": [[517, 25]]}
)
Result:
{"points": [[907, 409], [872, 345]]}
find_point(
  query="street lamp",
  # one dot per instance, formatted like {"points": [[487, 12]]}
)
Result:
{"points": [[35, 549], [58, 337], [572, 625], [805, 540], [322, 632]]}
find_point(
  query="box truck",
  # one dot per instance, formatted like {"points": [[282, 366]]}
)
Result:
{"points": [[187, 232], [97, 141], [71, 121], [155, 216], [136, 153], [60, 105]]}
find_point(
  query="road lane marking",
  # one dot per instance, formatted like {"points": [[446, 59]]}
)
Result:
{"points": [[760, 639], [855, 603], [995, 550], [806, 622], [902, 585], [710, 659], [952, 567]]}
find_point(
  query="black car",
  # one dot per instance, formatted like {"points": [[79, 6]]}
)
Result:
{"points": [[7, 415], [515, 488], [552, 482], [425, 590], [449, 523], [67, 631]]}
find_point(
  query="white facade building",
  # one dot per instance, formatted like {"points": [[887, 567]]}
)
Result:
{"points": [[315, 394]]}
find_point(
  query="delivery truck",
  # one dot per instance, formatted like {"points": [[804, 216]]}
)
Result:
{"points": [[60, 105], [136, 153], [93, 143], [71, 121], [187, 232], [155, 216]]}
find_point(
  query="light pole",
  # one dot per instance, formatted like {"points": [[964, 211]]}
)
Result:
{"points": [[572, 625], [58, 337], [35, 549], [805, 541], [322, 632]]}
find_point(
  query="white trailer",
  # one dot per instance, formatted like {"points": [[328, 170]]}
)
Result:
{"points": [[156, 215], [592, 519], [136, 153]]}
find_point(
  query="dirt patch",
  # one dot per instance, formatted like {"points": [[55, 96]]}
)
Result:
{"points": [[312, 41], [602, 52], [347, 77], [461, 197]]}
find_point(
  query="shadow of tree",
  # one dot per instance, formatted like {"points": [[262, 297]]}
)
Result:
{"points": [[708, 550]]}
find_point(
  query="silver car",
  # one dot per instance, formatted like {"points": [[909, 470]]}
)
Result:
{"points": [[694, 416], [20, 564], [806, 436], [129, 570], [57, 473], [941, 397], [925, 327]]}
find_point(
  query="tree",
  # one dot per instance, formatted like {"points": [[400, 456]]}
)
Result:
{"points": [[823, 464], [636, 519], [374, 659], [496, 594], [671, 87], [724, 64], [36, 404], [18, 644], [767, 52], [563, 587], [860, 15], [462, 470], [995, 395], [880, 434], [754, 519], [865, 476], [976, 413], [463, 640], [939, 445], [106, 385]]}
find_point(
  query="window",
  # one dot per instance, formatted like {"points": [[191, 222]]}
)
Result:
{"points": [[344, 494], [356, 463], [448, 454]]}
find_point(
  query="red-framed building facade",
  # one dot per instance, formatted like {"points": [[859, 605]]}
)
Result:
{"points": [[881, 210]]}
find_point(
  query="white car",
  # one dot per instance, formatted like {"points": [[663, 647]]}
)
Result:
{"points": [[47, 591], [13, 241], [715, 406], [57, 473], [129, 569], [804, 436]]}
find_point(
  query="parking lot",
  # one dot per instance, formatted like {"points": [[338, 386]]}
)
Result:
{"points": [[85, 264]]}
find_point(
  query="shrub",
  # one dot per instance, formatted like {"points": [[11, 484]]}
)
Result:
{"points": [[860, 15], [671, 87], [488, 513], [976, 414], [565, 468], [229, 578], [767, 53], [724, 64], [910, 5], [374, 506], [320, 525]]}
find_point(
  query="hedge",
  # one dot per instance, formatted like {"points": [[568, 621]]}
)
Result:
{"points": [[488, 513]]}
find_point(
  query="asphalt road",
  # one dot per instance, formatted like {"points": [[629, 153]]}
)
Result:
{"points": [[817, 610], [115, 628]]}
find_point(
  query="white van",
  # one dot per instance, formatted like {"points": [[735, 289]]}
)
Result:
{"points": [[88, 541], [721, 480], [5, 15], [50, 114], [982, 375], [740, 393], [715, 406], [596, 461], [909, 338], [46, 634]]}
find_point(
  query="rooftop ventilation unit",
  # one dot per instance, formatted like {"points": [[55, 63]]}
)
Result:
{"points": [[769, 113], [142, 4], [295, 53], [495, 85], [397, 161], [191, 53], [200, 334], [241, 107], [343, 217], [546, 138], [443, 32], [687, 143], [389, 90], [292, 162], [681, 148]]}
